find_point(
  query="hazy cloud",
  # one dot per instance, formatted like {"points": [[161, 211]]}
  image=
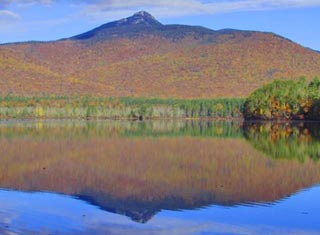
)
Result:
{"points": [[98, 8], [6, 3], [160, 8], [6, 15]]}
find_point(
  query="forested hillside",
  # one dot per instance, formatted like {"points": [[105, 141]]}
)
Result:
{"points": [[140, 57]]}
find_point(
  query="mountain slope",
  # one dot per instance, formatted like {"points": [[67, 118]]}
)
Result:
{"points": [[138, 56]]}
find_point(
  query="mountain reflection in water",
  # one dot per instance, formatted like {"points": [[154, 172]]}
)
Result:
{"points": [[285, 140], [138, 169]]}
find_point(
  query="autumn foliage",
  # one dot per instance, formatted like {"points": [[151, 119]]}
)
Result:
{"points": [[283, 99], [88, 107], [232, 64]]}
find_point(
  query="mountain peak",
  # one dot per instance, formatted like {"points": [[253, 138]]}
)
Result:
{"points": [[141, 21], [143, 14], [141, 17]]}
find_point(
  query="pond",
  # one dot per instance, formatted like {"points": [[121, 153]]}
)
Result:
{"points": [[159, 177]]}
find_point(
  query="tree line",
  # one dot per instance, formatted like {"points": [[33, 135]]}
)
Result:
{"points": [[89, 107], [279, 100]]}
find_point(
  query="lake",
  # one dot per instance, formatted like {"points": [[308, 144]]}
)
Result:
{"points": [[159, 177]]}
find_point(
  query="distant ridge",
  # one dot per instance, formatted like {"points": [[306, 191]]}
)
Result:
{"points": [[143, 23], [141, 57]]}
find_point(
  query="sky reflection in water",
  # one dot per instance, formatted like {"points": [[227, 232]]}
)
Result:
{"points": [[48, 213]]}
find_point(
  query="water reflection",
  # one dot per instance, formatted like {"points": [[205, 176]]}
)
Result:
{"points": [[138, 169], [95, 129], [285, 140]]}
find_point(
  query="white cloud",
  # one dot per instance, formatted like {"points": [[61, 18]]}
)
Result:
{"points": [[6, 15], [165, 8]]}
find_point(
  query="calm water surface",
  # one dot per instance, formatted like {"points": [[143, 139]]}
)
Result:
{"points": [[159, 177]]}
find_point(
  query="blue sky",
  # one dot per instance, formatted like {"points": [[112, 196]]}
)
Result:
{"points": [[54, 19]]}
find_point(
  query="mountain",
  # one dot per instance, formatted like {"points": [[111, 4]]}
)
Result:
{"points": [[139, 56], [144, 24]]}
